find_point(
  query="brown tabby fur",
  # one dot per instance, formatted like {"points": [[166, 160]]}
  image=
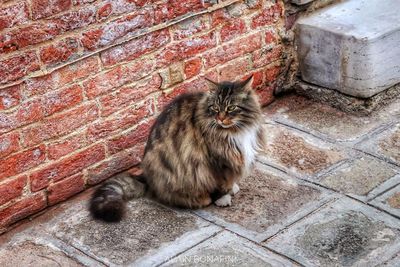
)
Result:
{"points": [[190, 159]]}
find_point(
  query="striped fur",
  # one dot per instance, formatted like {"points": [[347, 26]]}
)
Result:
{"points": [[198, 148]]}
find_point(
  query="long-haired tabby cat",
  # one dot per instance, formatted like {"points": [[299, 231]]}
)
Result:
{"points": [[198, 149]]}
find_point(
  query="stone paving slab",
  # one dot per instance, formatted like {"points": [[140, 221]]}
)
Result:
{"points": [[267, 202], [389, 201], [344, 233], [297, 153], [148, 235], [386, 144], [323, 120], [362, 178], [227, 249]]}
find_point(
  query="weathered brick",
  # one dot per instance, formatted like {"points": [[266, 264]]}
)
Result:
{"points": [[22, 209], [57, 149], [191, 26], [112, 31], [75, 19], [177, 8], [22, 161], [60, 124], [264, 57], [232, 50], [66, 167], [265, 95], [268, 16], [258, 79], [135, 48], [172, 75], [60, 77], [13, 15], [12, 189], [60, 51], [115, 164], [233, 29], [220, 17], [10, 97], [31, 34], [46, 8], [65, 188], [104, 11], [126, 96], [130, 139], [271, 37], [125, 119], [9, 143], [117, 7], [18, 66], [234, 70], [272, 73], [111, 80], [185, 49], [62, 99], [193, 67]]}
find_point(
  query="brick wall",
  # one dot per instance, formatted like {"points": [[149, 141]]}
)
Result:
{"points": [[81, 82]]}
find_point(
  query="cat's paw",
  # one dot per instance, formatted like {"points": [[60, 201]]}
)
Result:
{"points": [[224, 201], [235, 189]]}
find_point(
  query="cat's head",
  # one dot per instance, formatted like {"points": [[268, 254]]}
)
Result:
{"points": [[232, 105]]}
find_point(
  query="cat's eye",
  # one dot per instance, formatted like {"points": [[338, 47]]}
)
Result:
{"points": [[214, 108], [231, 108]]}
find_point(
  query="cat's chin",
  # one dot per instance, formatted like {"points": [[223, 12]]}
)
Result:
{"points": [[226, 126]]}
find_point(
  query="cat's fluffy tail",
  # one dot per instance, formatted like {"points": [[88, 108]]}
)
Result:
{"points": [[109, 200]]}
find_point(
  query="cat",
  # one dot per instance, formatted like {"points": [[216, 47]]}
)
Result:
{"points": [[198, 149]]}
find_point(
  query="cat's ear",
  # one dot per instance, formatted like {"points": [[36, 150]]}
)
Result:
{"points": [[212, 86], [247, 84]]}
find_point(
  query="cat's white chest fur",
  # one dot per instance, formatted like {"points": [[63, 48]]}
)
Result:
{"points": [[247, 142]]}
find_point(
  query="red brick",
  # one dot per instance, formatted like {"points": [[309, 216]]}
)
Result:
{"points": [[13, 15], [17, 67], [60, 77], [264, 57], [268, 16], [117, 7], [193, 67], [258, 78], [22, 209], [177, 8], [29, 35], [115, 164], [272, 73], [46, 8], [220, 17], [115, 30], [270, 37], [161, 13], [10, 97], [191, 26], [233, 50], [130, 139], [66, 167], [60, 124], [111, 80], [9, 143], [104, 12], [185, 49], [265, 95], [62, 99], [75, 19], [22, 161], [124, 119], [60, 51], [232, 29], [81, 2], [135, 48], [12, 189], [57, 149], [232, 71], [66, 188], [126, 96]]}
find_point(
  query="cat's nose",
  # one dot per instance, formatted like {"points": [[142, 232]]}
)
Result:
{"points": [[220, 117]]}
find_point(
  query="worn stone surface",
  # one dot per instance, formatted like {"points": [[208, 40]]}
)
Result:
{"points": [[266, 202], [147, 227], [390, 200], [227, 249], [386, 144], [359, 176], [321, 119], [338, 49], [34, 255], [345, 233], [293, 151]]}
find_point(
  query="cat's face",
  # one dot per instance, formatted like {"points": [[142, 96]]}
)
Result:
{"points": [[232, 106]]}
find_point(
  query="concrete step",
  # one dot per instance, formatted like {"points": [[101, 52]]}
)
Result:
{"points": [[352, 46]]}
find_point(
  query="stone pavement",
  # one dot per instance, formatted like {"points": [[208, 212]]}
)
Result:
{"points": [[325, 192]]}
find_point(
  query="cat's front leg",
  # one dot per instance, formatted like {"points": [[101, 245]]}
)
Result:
{"points": [[235, 189], [224, 201]]}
